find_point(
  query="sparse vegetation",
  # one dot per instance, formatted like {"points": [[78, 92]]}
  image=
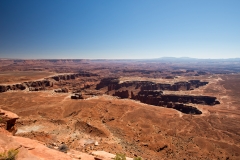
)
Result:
{"points": [[9, 155], [120, 156], [63, 148], [137, 158]]}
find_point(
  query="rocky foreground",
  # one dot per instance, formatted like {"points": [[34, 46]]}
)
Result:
{"points": [[28, 149]]}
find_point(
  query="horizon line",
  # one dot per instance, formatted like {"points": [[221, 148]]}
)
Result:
{"points": [[117, 58]]}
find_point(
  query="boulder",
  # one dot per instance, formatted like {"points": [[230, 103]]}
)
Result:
{"points": [[8, 120]]}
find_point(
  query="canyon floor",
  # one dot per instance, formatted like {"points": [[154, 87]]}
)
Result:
{"points": [[155, 110]]}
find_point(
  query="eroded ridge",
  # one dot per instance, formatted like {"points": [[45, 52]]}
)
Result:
{"points": [[54, 82], [152, 93], [114, 84]]}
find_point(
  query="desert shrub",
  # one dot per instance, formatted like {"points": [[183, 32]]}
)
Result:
{"points": [[63, 148], [9, 155], [137, 158], [120, 156]]}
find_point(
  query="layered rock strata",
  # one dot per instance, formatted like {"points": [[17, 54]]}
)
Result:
{"points": [[152, 93], [113, 84], [46, 83]]}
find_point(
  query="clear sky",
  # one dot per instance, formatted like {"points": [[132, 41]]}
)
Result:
{"points": [[119, 29]]}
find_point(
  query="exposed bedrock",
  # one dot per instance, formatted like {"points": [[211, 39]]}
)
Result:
{"points": [[107, 82], [122, 94], [113, 84], [73, 76], [4, 88], [186, 109], [42, 84], [8, 120], [32, 85], [152, 93], [64, 77], [89, 129], [206, 100], [157, 98]]}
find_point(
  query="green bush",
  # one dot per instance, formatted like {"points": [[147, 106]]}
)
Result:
{"points": [[9, 155], [120, 156]]}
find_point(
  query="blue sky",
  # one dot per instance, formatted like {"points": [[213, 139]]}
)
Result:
{"points": [[119, 29]]}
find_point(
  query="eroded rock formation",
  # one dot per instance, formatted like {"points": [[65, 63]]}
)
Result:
{"points": [[32, 85], [152, 93], [73, 76], [8, 120], [113, 84], [177, 102], [122, 94], [49, 82], [25, 147]]}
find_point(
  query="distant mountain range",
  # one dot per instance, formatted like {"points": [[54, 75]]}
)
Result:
{"points": [[174, 59], [184, 59]]}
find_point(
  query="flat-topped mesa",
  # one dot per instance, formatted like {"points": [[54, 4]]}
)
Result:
{"points": [[63, 77], [147, 93], [73, 76], [156, 97], [205, 100], [8, 120], [113, 84], [190, 85], [32, 85], [42, 84]]}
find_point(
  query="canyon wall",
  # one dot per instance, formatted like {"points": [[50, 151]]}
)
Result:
{"points": [[46, 83], [153, 93]]}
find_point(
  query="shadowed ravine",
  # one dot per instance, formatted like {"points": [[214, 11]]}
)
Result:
{"points": [[152, 93]]}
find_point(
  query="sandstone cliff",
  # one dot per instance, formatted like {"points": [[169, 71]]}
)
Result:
{"points": [[113, 84], [152, 93]]}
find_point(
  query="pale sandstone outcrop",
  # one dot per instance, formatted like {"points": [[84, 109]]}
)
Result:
{"points": [[28, 149], [7, 120]]}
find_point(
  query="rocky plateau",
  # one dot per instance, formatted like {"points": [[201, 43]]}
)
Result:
{"points": [[94, 109]]}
